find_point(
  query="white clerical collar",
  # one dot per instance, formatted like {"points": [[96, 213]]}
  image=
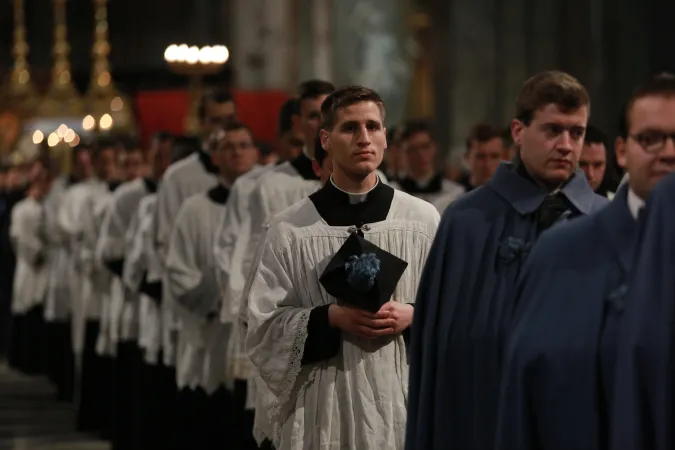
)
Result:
{"points": [[635, 203], [223, 182], [355, 197], [423, 182]]}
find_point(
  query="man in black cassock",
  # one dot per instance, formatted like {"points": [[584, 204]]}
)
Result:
{"points": [[464, 304]]}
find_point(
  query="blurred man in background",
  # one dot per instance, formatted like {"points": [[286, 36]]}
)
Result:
{"points": [[593, 160]]}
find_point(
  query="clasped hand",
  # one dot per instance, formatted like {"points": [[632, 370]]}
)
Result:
{"points": [[392, 318]]}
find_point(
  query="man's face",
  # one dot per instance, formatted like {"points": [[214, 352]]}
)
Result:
{"points": [[396, 157], [593, 162], [290, 146], [550, 145], [235, 154], [483, 159], [310, 118], [420, 153], [648, 154], [13, 179], [106, 164], [357, 141], [82, 166], [161, 158], [36, 172], [215, 116], [134, 166]]}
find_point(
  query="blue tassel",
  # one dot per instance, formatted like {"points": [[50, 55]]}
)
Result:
{"points": [[362, 271]]}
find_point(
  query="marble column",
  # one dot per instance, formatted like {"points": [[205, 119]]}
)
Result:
{"points": [[369, 48], [279, 45], [262, 42], [322, 51], [314, 42]]}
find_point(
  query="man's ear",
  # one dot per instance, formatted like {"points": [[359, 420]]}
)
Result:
{"points": [[324, 136], [517, 130], [620, 150]]}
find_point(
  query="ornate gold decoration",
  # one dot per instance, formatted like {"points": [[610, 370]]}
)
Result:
{"points": [[421, 94], [103, 97], [18, 95], [62, 98]]}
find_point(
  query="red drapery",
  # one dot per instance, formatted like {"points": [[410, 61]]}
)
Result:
{"points": [[166, 110]]}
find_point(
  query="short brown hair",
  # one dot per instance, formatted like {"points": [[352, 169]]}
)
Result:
{"points": [[551, 87], [662, 85], [482, 132], [314, 88], [212, 96], [217, 137], [414, 126], [345, 97]]}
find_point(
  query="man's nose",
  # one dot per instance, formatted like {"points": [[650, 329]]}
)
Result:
{"points": [[565, 142]]}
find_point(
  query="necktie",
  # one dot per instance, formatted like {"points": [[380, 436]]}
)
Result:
{"points": [[550, 210]]}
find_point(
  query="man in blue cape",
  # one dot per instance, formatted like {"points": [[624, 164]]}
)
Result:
{"points": [[644, 411], [465, 299], [558, 381]]}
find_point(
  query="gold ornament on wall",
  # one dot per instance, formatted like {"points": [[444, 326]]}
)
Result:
{"points": [[421, 93], [62, 98], [18, 96], [109, 109]]}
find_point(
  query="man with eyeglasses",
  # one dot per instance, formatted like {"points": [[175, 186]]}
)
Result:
{"points": [[558, 387], [204, 404]]}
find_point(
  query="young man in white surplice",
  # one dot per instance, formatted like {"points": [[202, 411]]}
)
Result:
{"points": [[339, 372], [193, 293]]}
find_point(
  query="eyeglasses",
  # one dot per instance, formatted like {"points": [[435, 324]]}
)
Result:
{"points": [[652, 141]]}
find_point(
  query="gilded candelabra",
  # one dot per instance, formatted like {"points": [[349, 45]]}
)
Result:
{"points": [[108, 109], [421, 95], [62, 99], [195, 62], [18, 97]]}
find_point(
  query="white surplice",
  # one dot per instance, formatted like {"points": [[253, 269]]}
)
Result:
{"points": [[31, 274], [112, 246], [140, 256], [277, 189], [74, 217], [448, 191], [192, 290], [357, 399], [57, 301], [183, 179]]}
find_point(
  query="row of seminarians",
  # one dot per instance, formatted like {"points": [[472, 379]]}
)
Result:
{"points": [[128, 274], [302, 363]]}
